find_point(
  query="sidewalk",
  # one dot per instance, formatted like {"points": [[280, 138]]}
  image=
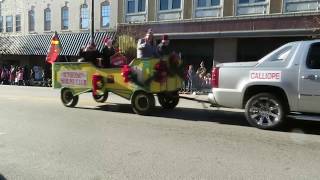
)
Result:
{"points": [[203, 96]]}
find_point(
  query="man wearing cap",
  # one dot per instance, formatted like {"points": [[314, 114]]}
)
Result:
{"points": [[145, 47], [91, 54], [107, 52], [163, 47]]}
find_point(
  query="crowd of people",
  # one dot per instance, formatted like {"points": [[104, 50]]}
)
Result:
{"points": [[23, 76], [197, 81]]}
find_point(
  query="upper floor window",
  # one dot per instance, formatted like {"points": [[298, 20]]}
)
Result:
{"points": [[135, 6], [84, 16], [207, 8], [9, 24], [301, 5], [170, 4], [31, 20], [1, 23], [250, 1], [18, 23], [64, 18], [47, 19], [252, 7], [207, 3], [105, 14]]}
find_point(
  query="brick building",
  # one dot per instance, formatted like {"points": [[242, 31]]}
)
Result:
{"points": [[223, 30]]}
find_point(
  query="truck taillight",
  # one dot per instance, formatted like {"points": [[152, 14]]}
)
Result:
{"points": [[215, 77]]}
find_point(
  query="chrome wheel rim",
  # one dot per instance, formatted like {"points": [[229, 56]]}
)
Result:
{"points": [[265, 111]]}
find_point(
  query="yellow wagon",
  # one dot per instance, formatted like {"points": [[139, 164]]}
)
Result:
{"points": [[138, 82]]}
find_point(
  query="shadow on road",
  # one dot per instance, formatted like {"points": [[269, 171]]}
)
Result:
{"points": [[211, 115]]}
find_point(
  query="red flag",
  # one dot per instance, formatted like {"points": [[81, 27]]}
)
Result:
{"points": [[54, 49]]}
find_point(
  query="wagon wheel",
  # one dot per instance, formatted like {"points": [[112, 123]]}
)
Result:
{"points": [[67, 98], [142, 102], [101, 98], [168, 100]]}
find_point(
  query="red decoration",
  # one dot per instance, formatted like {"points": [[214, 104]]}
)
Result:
{"points": [[161, 71], [126, 72], [118, 60]]}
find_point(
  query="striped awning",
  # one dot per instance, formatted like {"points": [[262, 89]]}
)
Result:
{"points": [[39, 44]]}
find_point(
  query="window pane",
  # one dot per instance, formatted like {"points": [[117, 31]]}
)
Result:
{"points": [[260, 0], [141, 5], [9, 23], [31, 20], [202, 3], [65, 18], [215, 2], [164, 4], [47, 20], [18, 23], [84, 17], [243, 1], [176, 4], [313, 61], [131, 6], [105, 15]]}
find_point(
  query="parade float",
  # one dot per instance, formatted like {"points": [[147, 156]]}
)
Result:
{"points": [[139, 81]]}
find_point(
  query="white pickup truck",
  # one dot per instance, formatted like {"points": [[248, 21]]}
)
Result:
{"points": [[286, 82]]}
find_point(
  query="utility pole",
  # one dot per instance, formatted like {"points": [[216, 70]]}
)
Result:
{"points": [[92, 21]]}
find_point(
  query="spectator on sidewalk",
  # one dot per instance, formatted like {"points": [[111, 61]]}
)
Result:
{"points": [[190, 79]]}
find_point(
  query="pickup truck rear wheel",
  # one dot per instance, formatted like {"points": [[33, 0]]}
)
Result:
{"points": [[265, 111], [68, 99], [101, 98]]}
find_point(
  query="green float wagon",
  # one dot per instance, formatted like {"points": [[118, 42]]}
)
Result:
{"points": [[138, 82]]}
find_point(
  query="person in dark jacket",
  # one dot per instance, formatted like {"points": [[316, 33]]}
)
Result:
{"points": [[107, 52], [91, 54], [163, 47]]}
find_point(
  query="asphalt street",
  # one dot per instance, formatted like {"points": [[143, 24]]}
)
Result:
{"points": [[40, 139]]}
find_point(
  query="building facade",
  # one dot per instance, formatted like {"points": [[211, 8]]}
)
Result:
{"points": [[222, 30], [26, 27]]}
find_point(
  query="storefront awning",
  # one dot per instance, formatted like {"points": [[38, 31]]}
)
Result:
{"points": [[39, 44]]}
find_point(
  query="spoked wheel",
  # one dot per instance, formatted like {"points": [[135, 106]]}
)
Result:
{"points": [[265, 111], [101, 98], [142, 102], [68, 99], [168, 100]]}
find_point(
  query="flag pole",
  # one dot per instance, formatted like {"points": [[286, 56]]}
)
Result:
{"points": [[92, 21]]}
